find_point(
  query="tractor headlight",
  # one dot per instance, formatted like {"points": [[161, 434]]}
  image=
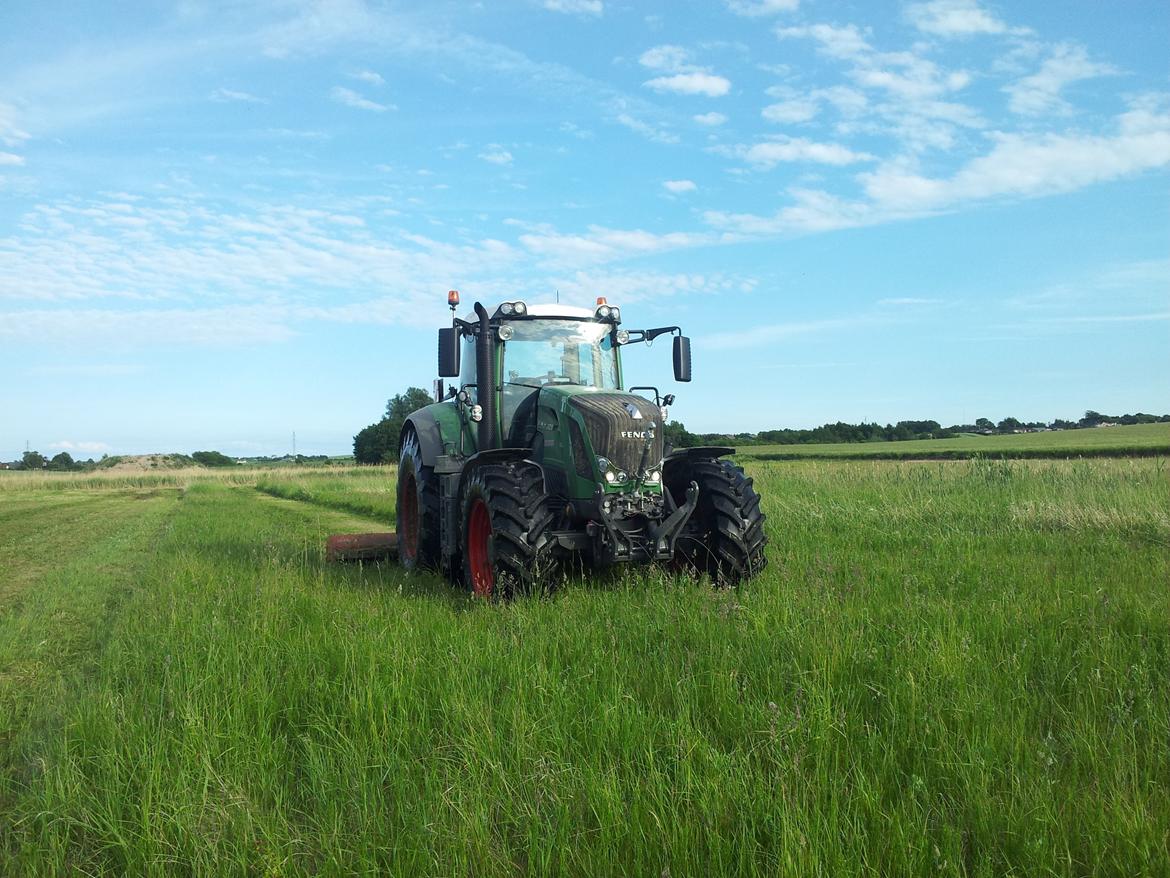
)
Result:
{"points": [[603, 311], [622, 477], [505, 332], [610, 477], [623, 336], [655, 477], [616, 314], [477, 413], [521, 308], [507, 309]]}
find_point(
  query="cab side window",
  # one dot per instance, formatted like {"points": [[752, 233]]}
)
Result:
{"points": [[467, 367]]}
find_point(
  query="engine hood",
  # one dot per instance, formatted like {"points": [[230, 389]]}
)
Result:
{"points": [[616, 424]]}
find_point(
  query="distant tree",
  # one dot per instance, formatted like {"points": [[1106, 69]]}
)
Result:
{"points": [[33, 460], [1060, 424], [1091, 419], [64, 460], [212, 458], [377, 443], [675, 434], [399, 408], [1009, 425], [984, 424]]}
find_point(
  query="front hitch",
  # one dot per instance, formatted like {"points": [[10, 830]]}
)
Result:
{"points": [[665, 534]]}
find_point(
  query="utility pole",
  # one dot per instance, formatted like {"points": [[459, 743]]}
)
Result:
{"points": [[294, 446]]}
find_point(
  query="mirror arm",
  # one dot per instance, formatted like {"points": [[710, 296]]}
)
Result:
{"points": [[651, 334]]}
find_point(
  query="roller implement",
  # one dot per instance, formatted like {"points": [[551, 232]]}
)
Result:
{"points": [[537, 454]]}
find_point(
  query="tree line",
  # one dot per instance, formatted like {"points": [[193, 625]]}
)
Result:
{"points": [[378, 443], [840, 432]]}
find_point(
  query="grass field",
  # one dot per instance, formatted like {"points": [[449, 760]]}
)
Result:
{"points": [[1138, 440], [947, 668]]}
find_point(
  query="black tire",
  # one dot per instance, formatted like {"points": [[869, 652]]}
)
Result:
{"points": [[418, 508], [725, 537], [506, 519]]}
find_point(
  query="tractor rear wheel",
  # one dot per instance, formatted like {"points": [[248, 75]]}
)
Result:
{"points": [[725, 537], [506, 521], [418, 508]]}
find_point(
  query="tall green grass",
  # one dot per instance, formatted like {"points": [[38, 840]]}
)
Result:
{"points": [[954, 669], [369, 491]]}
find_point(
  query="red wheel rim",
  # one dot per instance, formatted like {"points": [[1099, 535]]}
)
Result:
{"points": [[408, 519], [479, 531]]}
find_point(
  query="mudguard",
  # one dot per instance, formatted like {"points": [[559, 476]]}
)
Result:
{"points": [[699, 451], [432, 424]]}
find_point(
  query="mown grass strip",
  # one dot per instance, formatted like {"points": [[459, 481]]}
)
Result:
{"points": [[60, 587], [373, 497]]}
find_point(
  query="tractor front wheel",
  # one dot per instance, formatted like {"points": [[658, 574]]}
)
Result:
{"points": [[506, 520], [725, 536], [418, 508]]}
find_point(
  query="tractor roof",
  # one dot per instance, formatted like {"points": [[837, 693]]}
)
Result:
{"points": [[554, 311], [559, 311]]}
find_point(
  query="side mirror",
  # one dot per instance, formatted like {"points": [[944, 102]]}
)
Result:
{"points": [[682, 358], [448, 352]]}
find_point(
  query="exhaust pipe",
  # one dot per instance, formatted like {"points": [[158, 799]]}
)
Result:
{"points": [[485, 378]]}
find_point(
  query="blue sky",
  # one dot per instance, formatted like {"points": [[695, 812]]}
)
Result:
{"points": [[221, 223]]}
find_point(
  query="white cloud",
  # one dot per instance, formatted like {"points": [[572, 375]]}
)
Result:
{"points": [[795, 110], [685, 77], [658, 135], [836, 42], [679, 186], [10, 159], [758, 8], [904, 94], [624, 287], [177, 255], [496, 155], [10, 134], [351, 98], [368, 76], [225, 95], [601, 244], [954, 18], [691, 84], [710, 119], [575, 7], [769, 153], [673, 59], [576, 130], [1017, 166], [1040, 93], [1025, 165]]}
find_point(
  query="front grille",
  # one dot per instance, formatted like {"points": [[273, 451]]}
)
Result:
{"points": [[607, 417]]}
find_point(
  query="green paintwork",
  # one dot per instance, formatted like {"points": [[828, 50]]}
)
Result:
{"points": [[459, 434]]}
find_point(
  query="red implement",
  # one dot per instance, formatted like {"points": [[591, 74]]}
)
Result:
{"points": [[361, 547]]}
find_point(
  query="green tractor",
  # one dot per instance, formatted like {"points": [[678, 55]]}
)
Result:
{"points": [[539, 455]]}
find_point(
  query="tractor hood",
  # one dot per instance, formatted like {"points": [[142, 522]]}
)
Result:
{"points": [[616, 424]]}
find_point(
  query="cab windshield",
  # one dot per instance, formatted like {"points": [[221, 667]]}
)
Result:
{"points": [[543, 352]]}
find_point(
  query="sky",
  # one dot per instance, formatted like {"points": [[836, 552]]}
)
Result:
{"points": [[224, 223]]}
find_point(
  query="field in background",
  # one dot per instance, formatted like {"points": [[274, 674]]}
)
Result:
{"points": [[948, 668], [1136, 440]]}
